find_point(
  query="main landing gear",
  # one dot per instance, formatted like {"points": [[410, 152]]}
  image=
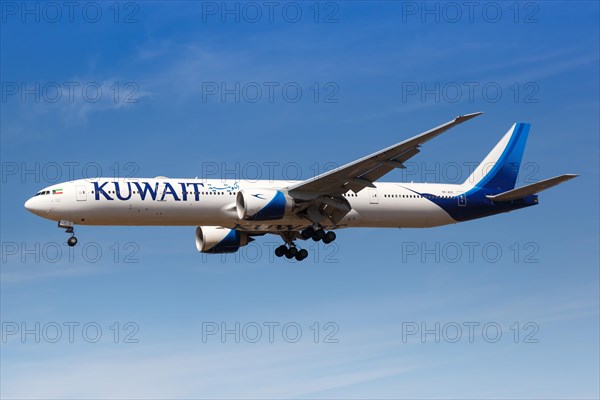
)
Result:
{"points": [[318, 234], [68, 227], [289, 250]]}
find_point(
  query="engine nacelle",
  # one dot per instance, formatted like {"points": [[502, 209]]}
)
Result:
{"points": [[216, 239], [263, 204]]}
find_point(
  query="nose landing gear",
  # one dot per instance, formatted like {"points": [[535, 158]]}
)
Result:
{"points": [[68, 227], [72, 241]]}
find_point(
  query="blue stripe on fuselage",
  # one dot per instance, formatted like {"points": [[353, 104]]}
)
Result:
{"points": [[476, 205]]}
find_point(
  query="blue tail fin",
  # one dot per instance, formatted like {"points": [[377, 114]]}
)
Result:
{"points": [[499, 169]]}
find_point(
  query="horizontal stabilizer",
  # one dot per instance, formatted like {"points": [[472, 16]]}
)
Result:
{"points": [[537, 187]]}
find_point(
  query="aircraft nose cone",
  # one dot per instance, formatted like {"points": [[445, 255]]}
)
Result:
{"points": [[29, 205], [33, 206]]}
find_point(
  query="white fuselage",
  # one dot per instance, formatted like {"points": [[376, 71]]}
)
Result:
{"points": [[228, 214], [192, 202]]}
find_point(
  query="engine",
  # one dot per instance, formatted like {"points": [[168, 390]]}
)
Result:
{"points": [[216, 239], [263, 204]]}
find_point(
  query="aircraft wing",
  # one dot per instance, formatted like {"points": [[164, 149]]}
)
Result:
{"points": [[363, 172]]}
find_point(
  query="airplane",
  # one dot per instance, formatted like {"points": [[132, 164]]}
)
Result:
{"points": [[229, 214]]}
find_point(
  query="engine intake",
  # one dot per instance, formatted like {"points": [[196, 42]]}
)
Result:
{"points": [[263, 204], [216, 239]]}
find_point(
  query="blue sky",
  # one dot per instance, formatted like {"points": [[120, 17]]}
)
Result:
{"points": [[369, 75]]}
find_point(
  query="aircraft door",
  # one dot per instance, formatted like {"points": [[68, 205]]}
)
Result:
{"points": [[373, 196], [80, 193]]}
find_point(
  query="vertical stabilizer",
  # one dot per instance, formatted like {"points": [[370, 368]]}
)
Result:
{"points": [[499, 169]]}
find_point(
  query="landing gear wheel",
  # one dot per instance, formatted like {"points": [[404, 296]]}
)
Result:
{"points": [[329, 237], [72, 241], [68, 227], [318, 235], [292, 251], [307, 233], [302, 254], [288, 255], [280, 251]]}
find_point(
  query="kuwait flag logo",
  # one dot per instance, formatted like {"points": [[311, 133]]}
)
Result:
{"points": [[57, 191]]}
